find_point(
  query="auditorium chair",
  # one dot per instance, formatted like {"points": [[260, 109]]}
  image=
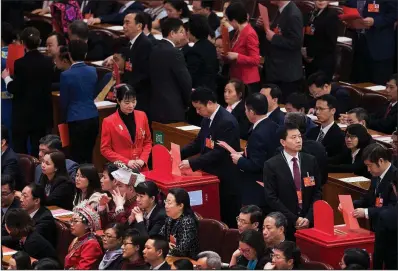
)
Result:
{"points": [[104, 38], [305, 6], [312, 265], [372, 102], [43, 24], [355, 96], [229, 245], [211, 235], [344, 58], [27, 164], [64, 238]]}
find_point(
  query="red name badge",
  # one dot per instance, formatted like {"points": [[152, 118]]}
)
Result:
{"points": [[309, 181], [128, 66], [309, 30], [277, 30], [373, 7], [299, 197], [209, 143], [379, 202]]}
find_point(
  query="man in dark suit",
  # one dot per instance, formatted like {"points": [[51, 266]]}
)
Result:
{"points": [[292, 182], [380, 194], [261, 146], [385, 249], [312, 147], [32, 200], [32, 113], [123, 8], [171, 82], [155, 253], [217, 125], [8, 202], [9, 160], [283, 45], [148, 29], [136, 68], [395, 148], [205, 8], [52, 143], [320, 84], [385, 120], [375, 46], [97, 8], [274, 96], [298, 102], [328, 133]]}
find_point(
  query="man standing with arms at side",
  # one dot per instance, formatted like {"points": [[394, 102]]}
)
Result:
{"points": [[292, 182], [171, 83], [283, 45], [217, 125], [136, 70]]}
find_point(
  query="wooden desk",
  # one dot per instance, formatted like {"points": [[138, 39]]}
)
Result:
{"points": [[64, 218], [166, 133], [335, 187], [8, 252], [103, 111], [363, 87]]}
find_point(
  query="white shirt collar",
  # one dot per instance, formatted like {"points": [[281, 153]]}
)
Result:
{"points": [[283, 7], [354, 154], [257, 122], [122, 9], [235, 104], [214, 114], [158, 266], [269, 113], [134, 39], [326, 128], [150, 212], [385, 172], [32, 214], [170, 42], [392, 105], [77, 63], [289, 157]]}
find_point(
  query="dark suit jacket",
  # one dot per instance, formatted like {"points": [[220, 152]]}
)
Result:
{"points": [[333, 141], [152, 39], [263, 141], [214, 21], [138, 78], [385, 249], [343, 163], [165, 266], [317, 150], [277, 116], [310, 125], [202, 64], [61, 193], [244, 124], [384, 190], [98, 47], [45, 225], [116, 17], [381, 124], [10, 166], [171, 84], [280, 191], [156, 222], [38, 247], [6, 239], [31, 104], [285, 48], [99, 8], [216, 161]]}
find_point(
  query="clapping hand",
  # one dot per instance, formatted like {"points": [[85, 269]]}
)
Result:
{"points": [[118, 198], [139, 215]]}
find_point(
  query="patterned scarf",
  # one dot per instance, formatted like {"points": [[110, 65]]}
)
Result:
{"points": [[109, 257]]}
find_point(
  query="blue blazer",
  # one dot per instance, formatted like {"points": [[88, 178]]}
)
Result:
{"points": [[77, 92], [277, 116]]}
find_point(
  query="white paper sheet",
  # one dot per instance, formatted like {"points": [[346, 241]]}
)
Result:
{"points": [[342, 125], [283, 109], [158, 36], [61, 212], [220, 14], [188, 128], [354, 179], [104, 103], [9, 253], [334, 3], [115, 27], [48, 15], [385, 139], [196, 197], [376, 88], [98, 63], [345, 40], [313, 117]]}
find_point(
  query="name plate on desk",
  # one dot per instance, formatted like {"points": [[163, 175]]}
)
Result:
{"points": [[104, 104], [354, 179]]}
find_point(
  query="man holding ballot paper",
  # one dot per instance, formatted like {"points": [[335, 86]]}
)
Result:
{"points": [[217, 124]]}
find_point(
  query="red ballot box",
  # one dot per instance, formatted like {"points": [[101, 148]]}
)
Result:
{"points": [[326, 243], [203, 190]]}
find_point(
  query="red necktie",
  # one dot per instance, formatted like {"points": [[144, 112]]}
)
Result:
{"points": [[388, 110], [296, 174]]}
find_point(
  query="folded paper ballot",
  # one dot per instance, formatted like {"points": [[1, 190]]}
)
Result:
{"points": [[376, 88], [61, 212], [104, 103], [188, 128], [342, 125], [354, 179]]}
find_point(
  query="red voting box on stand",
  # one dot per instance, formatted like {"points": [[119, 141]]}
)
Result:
{"points": [[326, 243], [203, 190]]}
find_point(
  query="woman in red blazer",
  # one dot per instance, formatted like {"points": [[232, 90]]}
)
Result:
{"points": [[125, 134], [245, 53]]}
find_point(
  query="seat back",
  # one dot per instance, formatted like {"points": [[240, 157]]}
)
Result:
{"points": [[344, 57], [312, 265], [373, 101], [28, 165], [211, 235], [104, 38], [305, 6], [229, 245], [355, 96], [44, 25], [64, 238], [101, 71]]}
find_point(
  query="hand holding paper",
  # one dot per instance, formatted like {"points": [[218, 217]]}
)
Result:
{"points": [[264, 16], [226, 146], [348, 209], [176, 158]]}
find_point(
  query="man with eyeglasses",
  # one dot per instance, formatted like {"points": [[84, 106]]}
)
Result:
{"points": [[249, 218], [328, 133], [285, 256], [8, 202]]}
